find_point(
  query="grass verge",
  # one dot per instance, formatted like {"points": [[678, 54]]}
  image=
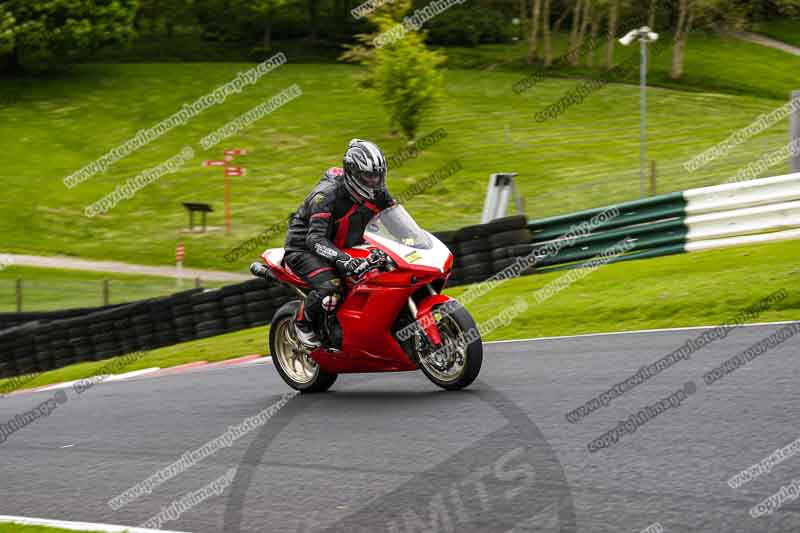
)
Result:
{"points": [[46, 289], [19, 528]]}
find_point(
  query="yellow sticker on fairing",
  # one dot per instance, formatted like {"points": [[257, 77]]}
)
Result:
{"points": [[413, 256]]}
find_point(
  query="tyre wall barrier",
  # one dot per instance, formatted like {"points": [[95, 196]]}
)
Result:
{"points": [[53, 342], [9, 320]]}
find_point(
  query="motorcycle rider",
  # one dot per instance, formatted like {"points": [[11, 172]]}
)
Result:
{"points": [[333, 216]]}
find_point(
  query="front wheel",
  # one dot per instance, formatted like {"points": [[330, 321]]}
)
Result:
{"points": [[456, 362], [291, 358]]}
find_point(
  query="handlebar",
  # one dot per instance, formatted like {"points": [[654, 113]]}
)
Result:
{"points": [[260, 271]]}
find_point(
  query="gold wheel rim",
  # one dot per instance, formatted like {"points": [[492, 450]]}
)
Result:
{"points": [[292, 355]]}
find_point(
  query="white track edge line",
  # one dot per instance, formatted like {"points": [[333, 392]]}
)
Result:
{"points": [[132, 374], [637, 332], [77, 526]]}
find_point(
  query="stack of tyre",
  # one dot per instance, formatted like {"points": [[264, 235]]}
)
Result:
{"points": [[11, 320], [483, 249], [17, 350], [235, 307], [262, 298]]}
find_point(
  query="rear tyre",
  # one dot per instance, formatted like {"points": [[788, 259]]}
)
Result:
{"points": [[291, 358], [458, 361]]}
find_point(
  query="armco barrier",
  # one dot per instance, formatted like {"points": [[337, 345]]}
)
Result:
{"points": [[732, 214]]}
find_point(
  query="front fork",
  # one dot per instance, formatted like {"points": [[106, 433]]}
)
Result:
{"points": [[423, 314]]}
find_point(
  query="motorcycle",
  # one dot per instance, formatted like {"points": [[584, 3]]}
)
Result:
{"points": [[392, 318]]}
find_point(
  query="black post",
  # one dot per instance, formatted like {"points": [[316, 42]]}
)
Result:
{"points": [[19, 296]]}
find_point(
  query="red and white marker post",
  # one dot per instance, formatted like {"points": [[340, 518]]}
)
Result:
{"points": [[180, 253], [229, 171]]}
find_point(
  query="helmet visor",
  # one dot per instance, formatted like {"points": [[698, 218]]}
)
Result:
{"points": [[371, 180]]}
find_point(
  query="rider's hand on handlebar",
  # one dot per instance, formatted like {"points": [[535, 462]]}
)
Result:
{"points": [[352, 266]]}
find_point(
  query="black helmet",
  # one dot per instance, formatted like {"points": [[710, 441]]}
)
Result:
{"points": [[364, 169]]}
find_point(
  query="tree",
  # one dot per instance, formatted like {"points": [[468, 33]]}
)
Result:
{"points": [[533, 33], [651, 14], [7, 36], [613, 19], [789, 8], [585, 19], [266, 11], [684, 26], [47, 34], [402, 71], [547, 45], [577, 11], [161, 16], [596, 21]]}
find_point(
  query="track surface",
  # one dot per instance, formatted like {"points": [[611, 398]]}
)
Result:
{"points": [[496, 458]]}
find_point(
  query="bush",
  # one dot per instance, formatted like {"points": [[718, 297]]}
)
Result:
{"points": [[47, 34], [469, 26], [401, 69]]}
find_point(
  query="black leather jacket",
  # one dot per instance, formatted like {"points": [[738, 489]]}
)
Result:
{"points": [[329, 220]]}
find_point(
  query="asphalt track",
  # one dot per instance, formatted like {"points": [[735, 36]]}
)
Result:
{"points": [[394, 453]]}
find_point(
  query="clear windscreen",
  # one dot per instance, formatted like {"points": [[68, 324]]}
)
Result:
{"points": [[397, 225]]}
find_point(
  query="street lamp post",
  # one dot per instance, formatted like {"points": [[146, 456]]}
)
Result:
{"points": [[644, 35]]}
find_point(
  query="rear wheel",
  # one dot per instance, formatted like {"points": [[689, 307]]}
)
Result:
{"points": [[456, 363], [291, 358]]}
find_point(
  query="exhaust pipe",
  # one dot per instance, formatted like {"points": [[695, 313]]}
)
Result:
{"points": [[261, 271]]}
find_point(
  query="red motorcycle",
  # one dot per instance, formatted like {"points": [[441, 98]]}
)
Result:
{"points": [[392, 318]]}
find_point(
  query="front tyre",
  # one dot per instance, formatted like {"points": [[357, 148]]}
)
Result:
{"points": [[456, 363], [291, 358]]}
